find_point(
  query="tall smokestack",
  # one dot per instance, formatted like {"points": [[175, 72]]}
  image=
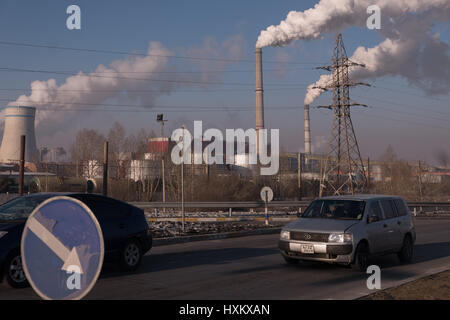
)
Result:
{"points": [[259, 91], [307, 131], [18, 121], [259, 97]]}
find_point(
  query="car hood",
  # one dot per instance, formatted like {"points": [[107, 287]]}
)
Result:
{"points": [[320, 225], [5, 226]]}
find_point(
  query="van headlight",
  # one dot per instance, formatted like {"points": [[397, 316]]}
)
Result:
{"points": [[3, 233], [340, 237], [285, 235]]}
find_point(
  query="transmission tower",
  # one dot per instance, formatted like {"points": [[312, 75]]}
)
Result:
{"points": [[343, 171]]}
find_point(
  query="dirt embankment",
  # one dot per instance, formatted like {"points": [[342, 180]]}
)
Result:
{"points": [[434, 287]]}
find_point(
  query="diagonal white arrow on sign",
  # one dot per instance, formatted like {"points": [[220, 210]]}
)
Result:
{"points": [[69, 257]]}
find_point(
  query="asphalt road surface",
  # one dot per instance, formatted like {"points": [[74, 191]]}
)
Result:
{"points": [[252, 268]]}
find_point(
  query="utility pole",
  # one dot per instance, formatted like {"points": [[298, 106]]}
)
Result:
{"points": [[105, 169], [344, 169], [182, 184], [419, 168], [160, 119], [368, 175], [22, 164], [299, 174]]}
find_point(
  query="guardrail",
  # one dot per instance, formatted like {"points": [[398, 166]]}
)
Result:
{"points": [[221, 205], [260, 204]]}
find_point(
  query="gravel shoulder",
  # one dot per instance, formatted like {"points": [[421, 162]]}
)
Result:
{"points": [[434, 287]]}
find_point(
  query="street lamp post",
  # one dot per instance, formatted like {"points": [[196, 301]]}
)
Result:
{"points": [[182, 184], [160, 119]]}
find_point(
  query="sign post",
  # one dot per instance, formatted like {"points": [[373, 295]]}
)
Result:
{"points": [[266, 196]]}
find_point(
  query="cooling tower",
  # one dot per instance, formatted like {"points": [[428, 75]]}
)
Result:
{"points": [[18, 121], [307, 131]]}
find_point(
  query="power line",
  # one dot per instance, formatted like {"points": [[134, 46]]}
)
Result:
{"points": [[141, 107], [398, 120], [412, 94], [141, 79], [409, 122], [150, 91], [403, 105], [175, 72], [20, 44]]}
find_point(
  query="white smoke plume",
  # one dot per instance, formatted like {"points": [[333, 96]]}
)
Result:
{"points": [[410, 48], [126, 80]]}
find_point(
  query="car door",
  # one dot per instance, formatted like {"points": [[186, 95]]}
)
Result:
{"points": [[377, 231], [404, 219], [112, 221], [393, 235]]}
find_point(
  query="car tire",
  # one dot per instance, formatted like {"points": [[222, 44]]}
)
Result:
{"points": [[361, 260], [131, 256], [406, 253], [290, 261], [14, 273]]}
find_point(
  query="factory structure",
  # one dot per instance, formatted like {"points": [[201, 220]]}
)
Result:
{"points": [[87, 175]]}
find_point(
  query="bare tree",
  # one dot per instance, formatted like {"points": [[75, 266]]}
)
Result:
{"points": [[88, 145], [442, 157]]}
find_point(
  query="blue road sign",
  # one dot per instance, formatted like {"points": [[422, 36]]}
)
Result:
{"points": [[62, 249]]}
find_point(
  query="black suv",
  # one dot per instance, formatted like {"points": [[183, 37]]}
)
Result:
{"points": [[126, 234]]}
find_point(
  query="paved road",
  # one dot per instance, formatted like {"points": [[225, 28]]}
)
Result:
{"points": [[252, 268]]}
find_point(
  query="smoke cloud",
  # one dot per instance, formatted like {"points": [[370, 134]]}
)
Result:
{"points": [[410, 48], [127, 80]]}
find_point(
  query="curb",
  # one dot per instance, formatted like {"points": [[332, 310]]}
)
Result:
{"points": [[215, 236], [222, 219]]}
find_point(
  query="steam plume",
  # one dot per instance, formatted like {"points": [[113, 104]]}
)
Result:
{"points": [[410, 48], [127, 80]]}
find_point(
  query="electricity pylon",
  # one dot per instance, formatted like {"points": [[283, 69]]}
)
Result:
{"points": [[343, 171]]}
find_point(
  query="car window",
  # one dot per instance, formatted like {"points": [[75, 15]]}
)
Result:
{"points": [[388, 209], [335, 209], [20, 208], [401, 208], [375, 210]]}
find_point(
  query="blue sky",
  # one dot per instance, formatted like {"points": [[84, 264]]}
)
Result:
{"points": [[414, 124]]}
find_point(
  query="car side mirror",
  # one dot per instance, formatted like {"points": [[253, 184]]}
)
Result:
{"points": [[373, 218]]}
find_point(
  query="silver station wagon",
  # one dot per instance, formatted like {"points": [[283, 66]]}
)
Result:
{"points": [[349, 230]]}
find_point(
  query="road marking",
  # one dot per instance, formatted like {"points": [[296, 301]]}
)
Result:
{"points": [[69, 257]]}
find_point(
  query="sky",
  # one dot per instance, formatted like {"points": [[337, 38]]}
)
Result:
{"points": [[417, 125]]}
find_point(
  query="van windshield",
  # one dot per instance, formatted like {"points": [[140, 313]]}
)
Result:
{"points": [[335, 209]]}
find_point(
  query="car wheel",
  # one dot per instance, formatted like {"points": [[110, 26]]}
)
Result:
{"points": [[131, 256], [290, 260], [406, 253], [361, 260], [14, 273]]}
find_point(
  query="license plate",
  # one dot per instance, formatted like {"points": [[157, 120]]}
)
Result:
{"points": [[303, 248], [307, 248]]}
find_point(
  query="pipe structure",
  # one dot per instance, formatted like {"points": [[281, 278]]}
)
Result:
{"points": [[307, 131]]}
